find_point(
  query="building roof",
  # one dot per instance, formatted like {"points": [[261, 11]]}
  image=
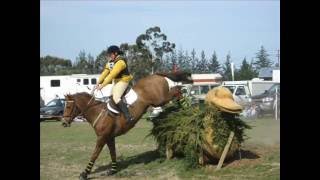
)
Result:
{"points": [[266, 72], [206, 76]]}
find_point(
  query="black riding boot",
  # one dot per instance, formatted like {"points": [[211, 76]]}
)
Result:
{"points": [[125, 110]]}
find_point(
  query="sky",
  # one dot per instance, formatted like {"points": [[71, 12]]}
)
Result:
{"points": [[239, 27]]}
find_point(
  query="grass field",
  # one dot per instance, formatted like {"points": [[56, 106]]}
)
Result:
{"points": [[65, 152]]}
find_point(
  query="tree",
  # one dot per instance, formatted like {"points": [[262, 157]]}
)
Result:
{"points": [[50, 65], [184, 61], [202, 65], [91, 64], [81, 64], [246, 72], [188, 64], [100, 62], [180, 59], [138, 59], [194, 61], [167, 67], [262, 59], [156, 43], [173, 60], [227, 75], [214, 65]]}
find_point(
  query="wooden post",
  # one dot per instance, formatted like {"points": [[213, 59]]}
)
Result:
{"points": [[225, 151], [169, 152]]}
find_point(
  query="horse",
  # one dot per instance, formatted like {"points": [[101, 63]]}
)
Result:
{"points": [[153, 90]]}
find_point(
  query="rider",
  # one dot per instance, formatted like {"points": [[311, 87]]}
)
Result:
{"points": [[116, 69]]}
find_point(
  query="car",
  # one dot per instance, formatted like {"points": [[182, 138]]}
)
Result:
{"points": [[199, 92], [266, 101], [41, 102], [53, 110]]}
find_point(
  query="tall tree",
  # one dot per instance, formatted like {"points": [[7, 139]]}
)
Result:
{"points": [[262, 59], [188, 64], [180, 59], [156, 43], [202, 65], [214, 65], [246, 72], [81, 63], [227, 75], [91, 64], [138, 59], [173, 60], [184, 60], [194, 61], [100, 62]]}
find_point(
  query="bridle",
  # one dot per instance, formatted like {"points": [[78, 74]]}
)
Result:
{"points": [[74, 106]]}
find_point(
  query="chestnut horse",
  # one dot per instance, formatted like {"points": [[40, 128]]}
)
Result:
{"points": [[154, 90]]}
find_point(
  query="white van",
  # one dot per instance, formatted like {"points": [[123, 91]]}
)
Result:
{"points": [[200, 91], [241, 93]]}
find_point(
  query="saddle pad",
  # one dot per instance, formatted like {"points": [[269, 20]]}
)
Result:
{"points": [[131, 97]]}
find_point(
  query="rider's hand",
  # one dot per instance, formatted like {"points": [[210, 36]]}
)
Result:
{"points": [[99, 87]]}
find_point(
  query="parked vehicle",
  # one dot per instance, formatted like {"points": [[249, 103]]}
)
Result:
{"points": [[256, 86], [199, 91], [41, 102], [241, 93], [57, 86], [266, 101], [53, 110]]}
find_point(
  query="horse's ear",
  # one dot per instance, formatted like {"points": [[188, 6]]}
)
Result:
{"points": [[68, 96]]}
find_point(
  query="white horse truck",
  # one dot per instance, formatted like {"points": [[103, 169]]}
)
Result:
{"points": [[52, 87]]}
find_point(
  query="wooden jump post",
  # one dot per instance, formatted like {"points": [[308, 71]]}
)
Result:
{"points": [[225, 151]]}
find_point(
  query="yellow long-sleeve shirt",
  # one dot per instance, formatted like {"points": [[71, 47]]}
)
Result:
{"points": [[107, 76]]}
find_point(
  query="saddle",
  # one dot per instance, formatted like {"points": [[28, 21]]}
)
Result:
{"points": [[129, 97]]}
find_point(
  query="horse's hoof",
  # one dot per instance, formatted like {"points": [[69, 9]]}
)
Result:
{"points": [[109, 172], [83, 176]]}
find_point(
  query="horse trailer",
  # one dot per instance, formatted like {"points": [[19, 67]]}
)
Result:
{"points": [[52, 87]]}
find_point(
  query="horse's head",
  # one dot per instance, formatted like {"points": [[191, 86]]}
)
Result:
{"points": [[70, 110]]}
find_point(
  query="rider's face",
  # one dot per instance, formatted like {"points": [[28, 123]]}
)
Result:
{"points": [[111, 56]]}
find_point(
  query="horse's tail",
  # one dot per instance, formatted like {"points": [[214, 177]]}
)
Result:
{"points": [[178, 76]]}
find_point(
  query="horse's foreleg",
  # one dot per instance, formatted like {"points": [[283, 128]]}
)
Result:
{"points": [[112, 149], [99, 145]]}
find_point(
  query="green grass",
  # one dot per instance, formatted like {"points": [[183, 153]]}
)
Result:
{"points": [[65, 152]]}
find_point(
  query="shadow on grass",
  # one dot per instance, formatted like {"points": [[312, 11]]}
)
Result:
{"points": [[151, 156], [144, 158]]}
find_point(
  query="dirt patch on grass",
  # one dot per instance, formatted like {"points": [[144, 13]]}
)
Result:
{"points": [[252, 155]]}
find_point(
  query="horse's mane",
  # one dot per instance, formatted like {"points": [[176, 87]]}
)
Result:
{"points": [[87, 95], [83, 94]]}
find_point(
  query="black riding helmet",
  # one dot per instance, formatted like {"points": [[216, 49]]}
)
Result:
{"points": [[114, 49]]}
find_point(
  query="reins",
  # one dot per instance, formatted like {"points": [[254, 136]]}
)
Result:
{"points": [[89, 106], [89, 103]]}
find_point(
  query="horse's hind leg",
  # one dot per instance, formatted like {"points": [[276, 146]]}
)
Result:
{"points": [[99, 145], [112, 149]]}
